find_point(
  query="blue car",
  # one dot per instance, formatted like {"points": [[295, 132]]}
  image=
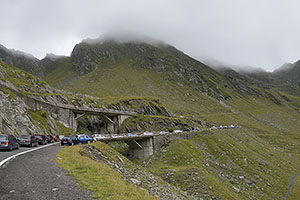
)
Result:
{"points": [[85, 139]]}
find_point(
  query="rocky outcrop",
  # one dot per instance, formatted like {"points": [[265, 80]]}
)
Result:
{"points": [[19, 59], [147, 106], [14, 118], [137, 176]]}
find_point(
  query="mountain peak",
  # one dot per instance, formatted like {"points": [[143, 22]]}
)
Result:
{"points": [[125, 38]]}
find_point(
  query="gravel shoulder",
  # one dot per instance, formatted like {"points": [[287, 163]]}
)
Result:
{"points": [[35, 176]]}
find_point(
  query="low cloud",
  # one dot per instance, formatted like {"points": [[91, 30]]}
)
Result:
{"points": [[259, 33]]}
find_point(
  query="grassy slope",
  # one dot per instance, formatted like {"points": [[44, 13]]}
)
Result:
{"points": [[121, 79], [104, 182], [218, 158], [62, 69], [295, 194]]}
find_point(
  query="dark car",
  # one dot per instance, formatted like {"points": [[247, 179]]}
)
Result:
{"points": [[50, 139], [8, 142], [69, 140], [41, 139], [27, 140]]}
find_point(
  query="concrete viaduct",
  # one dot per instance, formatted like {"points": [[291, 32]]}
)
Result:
{"points": [[68, 114], [143, 146]]}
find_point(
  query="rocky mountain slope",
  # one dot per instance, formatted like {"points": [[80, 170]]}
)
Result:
{"points": [[19, 59], [17, 117], [27, 62]]}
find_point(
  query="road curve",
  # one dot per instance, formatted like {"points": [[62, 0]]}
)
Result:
{"points": [[5, 154], [34, 175]]}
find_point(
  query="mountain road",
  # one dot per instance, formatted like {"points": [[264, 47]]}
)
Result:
{"points": [[34, 175]]}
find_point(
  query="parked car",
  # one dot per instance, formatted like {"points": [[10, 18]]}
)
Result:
{"points": [[27, 140], [56, 138], [85, 139], [69, 140], [60, 137], [8, 142], [98, 136], [147, 133], [177, 131], [42, 139], [163, 132], [132, 135], [50, 139]]}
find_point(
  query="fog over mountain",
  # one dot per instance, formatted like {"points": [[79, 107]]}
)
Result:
{"points": [[258, 33]]}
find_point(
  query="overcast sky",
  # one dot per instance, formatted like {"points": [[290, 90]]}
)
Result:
{"points": [[258, 33]]}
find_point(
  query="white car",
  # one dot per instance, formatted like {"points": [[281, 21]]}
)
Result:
{"points": [[98, 136], [177, 131], [148, 133], [163, 132]]}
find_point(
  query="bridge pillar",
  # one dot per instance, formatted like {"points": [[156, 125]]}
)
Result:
{"points": [[110, 127], [121, 119], [72, 121], [114, 122], [141, 149]]}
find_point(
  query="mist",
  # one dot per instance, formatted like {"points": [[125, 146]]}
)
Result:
{"points": [[257, 33]]}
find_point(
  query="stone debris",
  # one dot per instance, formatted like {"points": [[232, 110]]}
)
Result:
{"points": [[135, 175], [237, 190]]}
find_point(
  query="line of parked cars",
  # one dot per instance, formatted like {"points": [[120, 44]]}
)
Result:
{"points": [[10, 142], [79, 139]]}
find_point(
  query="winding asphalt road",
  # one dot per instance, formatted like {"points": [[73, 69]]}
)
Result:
{"points": [[6, 154], [34, 175]]}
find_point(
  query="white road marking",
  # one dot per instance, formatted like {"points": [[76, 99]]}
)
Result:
{"points": [[23, 152]]}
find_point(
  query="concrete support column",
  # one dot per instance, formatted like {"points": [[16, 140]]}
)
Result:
{"points": [[141, 149], [110, 127], [121, 119], [72, 121]]}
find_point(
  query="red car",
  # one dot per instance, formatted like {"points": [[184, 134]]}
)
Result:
{"points": [[56, 138], [41, 139]]}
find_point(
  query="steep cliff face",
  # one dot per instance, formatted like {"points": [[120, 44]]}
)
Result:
{"points": [[289, 74], [17, 116], [161, 58], [14, 118], [19, 59]]}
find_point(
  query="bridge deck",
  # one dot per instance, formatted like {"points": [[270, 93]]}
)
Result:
{"points": [[124, 138]]}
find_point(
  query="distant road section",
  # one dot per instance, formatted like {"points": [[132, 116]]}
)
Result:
{"points": [[34, 175]]}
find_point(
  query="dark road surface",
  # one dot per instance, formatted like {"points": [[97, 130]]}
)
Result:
{"points": [[35, 176], [4, 153]]}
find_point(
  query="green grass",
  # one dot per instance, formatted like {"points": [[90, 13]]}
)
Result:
{"points": [[62, 68], [116, 81], [7, 91], [141, 123], [218, 149], [21, 78], [63, 130], [104, 182], [295, 194], [40, 119]]}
